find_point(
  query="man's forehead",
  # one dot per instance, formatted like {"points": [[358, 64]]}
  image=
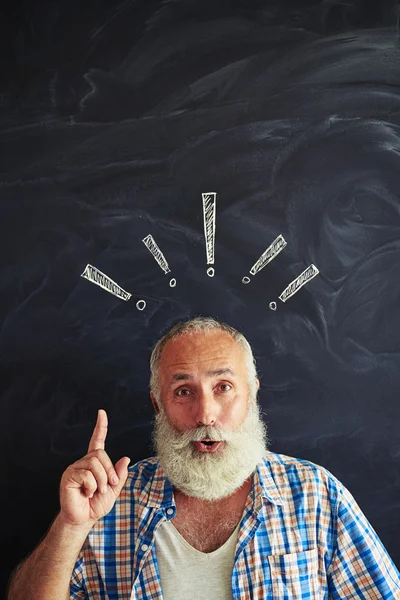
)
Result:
{"points": [[219, 372]]}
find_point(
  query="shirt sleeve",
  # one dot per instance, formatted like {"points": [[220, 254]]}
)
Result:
{"points": [[361, 566], [76, 589]]}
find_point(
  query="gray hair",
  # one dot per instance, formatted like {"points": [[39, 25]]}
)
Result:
{"points": [[193, 326]]}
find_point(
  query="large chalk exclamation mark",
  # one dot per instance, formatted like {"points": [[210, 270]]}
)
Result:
{"points": [[271, 252], [209, 214], [151, 245], [296, 284]]}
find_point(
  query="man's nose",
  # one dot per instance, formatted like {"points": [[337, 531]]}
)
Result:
{"points": [[207, 408]]}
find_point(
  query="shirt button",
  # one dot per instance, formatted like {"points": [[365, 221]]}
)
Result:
{"points": [[145, 547], [170, 511]]}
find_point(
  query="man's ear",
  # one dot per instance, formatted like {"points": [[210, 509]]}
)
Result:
{"points": [[154, 403], [257, 383]]}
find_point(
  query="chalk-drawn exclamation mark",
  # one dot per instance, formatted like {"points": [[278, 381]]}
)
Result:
{"points": [[209, 214], [99, 278], [158, 255], [271, 252], [296, 284]]}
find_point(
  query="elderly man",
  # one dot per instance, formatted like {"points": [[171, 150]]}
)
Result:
{"points": [[214, 515]]}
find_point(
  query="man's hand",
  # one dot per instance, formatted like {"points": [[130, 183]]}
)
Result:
{"points": [[90, 486]]}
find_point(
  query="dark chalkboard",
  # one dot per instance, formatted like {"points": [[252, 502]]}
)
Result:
{"points": [[116, 119]]}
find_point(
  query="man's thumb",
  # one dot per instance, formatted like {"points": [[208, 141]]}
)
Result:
{"points": [[121, 468]]}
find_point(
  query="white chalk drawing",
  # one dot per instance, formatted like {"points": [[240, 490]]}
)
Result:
{"points": [[95, 276], [271, 252], [298, 283], [140, 304], [209, 214], [151, 245]]}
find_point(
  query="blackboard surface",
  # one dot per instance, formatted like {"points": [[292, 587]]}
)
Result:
{"points": [[115, 119]]}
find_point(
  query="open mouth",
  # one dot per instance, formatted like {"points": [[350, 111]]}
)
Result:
{"points": [[207, 445]]}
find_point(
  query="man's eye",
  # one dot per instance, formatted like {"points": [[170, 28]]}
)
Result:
{"points": [[225, 387], [183, 392]]}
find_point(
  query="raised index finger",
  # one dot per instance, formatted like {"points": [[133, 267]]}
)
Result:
{"points": [[98, 439]]}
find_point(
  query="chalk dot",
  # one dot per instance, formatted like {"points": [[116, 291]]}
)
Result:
{"points": [[246, 280], [210, 272], [172, 283], [272, 305], [140, 304]]}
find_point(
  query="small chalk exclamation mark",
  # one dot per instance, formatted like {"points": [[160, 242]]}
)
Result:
{"points": [[271, 252], [99, 278], [209, 214], [151, 245], [296, 284]]}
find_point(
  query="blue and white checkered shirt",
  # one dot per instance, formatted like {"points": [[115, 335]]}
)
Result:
{"points": [[302, 536]]}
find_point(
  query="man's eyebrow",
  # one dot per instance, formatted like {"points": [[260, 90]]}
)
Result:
{"points": [[181, 377]]}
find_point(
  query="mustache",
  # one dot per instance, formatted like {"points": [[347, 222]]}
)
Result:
{"points": [[181, 439], [215, 433]]}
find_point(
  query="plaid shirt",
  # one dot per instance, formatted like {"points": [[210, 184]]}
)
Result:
{"points": [[302, 536]]}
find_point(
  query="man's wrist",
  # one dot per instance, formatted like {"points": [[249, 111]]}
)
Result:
{"points": [[61, 527]]}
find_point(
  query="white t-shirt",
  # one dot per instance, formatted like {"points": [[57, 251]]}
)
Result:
{"points": [[187, 573]]}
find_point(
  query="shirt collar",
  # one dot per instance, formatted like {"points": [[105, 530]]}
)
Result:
{"points": [[158, 492], [264, 485]]}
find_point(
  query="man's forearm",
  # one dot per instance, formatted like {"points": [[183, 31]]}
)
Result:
{"points": [[46, 573]]}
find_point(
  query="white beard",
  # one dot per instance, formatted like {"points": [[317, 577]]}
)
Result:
{"points": [[211, 476]]}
